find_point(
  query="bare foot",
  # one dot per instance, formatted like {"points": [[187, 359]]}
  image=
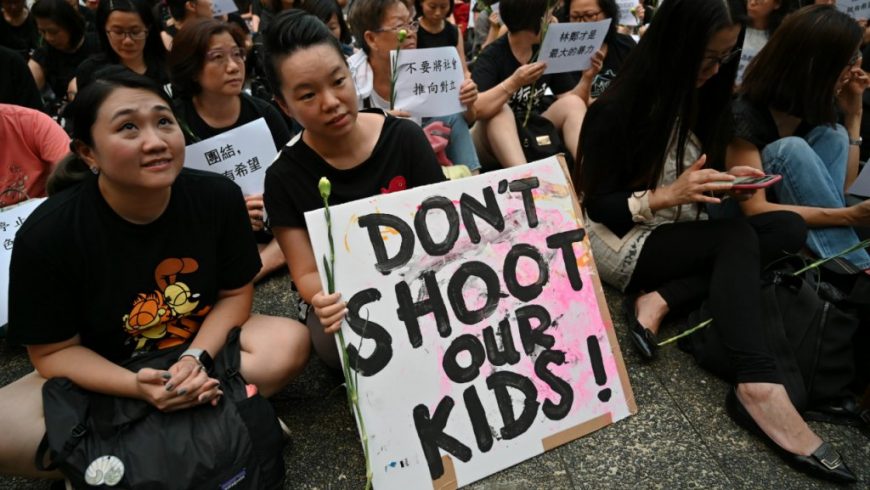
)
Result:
{"points": [[768, 404], [651, 309]]}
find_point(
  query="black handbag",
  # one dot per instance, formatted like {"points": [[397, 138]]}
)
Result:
{"points": [[538, 136], [104, 441]]}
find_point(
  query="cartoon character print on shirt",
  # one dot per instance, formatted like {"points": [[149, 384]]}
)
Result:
{"points": [[397, 183], [168, 316]]}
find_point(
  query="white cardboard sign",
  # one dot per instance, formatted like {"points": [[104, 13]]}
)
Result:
{"points": [[626, 18], [477, 323], [429, 81], [242, 154], [861, 185], [857, 9], [11, 218], [570, 47], [223, 7]]}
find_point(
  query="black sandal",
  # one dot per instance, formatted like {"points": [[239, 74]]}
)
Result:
{"points": [[643, 339]]}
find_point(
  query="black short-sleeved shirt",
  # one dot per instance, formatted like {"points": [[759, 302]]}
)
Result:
{"points": [[449, 36], [79, 268], [252, 109], [155, 70], [401, 159], [59, 67], [617, 51], [16, 84], [496, 63], [755, 124], [22, 39]]}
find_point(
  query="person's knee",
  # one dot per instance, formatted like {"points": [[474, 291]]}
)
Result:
{"points": [[791, 149], [281, 345], [789, 229], [737, 235]]}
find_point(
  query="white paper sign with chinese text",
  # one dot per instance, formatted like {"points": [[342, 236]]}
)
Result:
{"points": [[242, 154], [570, 47], [861, 185], [223, 7], [11, 219], [857, 9], [627, 18], [429, 81], [477, 322]]}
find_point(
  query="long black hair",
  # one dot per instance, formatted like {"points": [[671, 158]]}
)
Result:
{"points": [[324, 10], [655, 91], [154, 52], [63, 14]]}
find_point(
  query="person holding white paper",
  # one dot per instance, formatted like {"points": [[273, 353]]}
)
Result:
{"points": [[436, 30], [207, 66]]}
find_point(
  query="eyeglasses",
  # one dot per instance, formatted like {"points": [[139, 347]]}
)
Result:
{"points": [[410, 27], [710, 61], [585, 16], [135, 34], [222, 57]]}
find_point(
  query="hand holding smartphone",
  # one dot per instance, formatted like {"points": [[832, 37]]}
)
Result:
{"points": [[751, 182]]}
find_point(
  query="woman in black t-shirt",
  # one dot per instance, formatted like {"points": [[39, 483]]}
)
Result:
{"points": [[207, 66], [17, 28], [66, 45], [132, 254], [435, 30], [362, 154]]}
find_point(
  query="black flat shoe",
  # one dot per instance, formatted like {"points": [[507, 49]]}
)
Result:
{"points": [[643, 339], [825, 462]]}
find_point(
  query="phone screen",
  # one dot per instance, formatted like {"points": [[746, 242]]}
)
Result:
{"points": [[753, 180]]}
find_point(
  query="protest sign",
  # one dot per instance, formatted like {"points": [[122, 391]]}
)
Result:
{"points": [[857, 9], [429, 81], [626, 17], [476, 322], [570, 47], [242, 154], [11, 219], [861, 185], [223, 7]]}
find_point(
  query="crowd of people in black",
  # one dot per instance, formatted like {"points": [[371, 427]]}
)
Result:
{"points": [[98, 101]]}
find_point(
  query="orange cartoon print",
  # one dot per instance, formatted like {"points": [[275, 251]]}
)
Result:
{"points": [[168, 315]]}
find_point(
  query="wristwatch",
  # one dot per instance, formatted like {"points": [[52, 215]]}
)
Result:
{"points": [[201, 356], [856, 142]]}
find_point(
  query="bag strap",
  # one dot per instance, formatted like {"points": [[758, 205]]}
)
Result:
{"points": [[43, 452]]}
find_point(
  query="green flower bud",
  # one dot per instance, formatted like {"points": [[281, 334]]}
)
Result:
{"points": [[633, 11], [325, 187], [402, 35]]}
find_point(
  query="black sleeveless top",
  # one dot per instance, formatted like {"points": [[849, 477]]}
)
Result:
{"points": [[449, 36]]}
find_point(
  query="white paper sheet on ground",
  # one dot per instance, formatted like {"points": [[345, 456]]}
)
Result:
{"points": [[570, 47], [429, 81], [626, 18], [861, 186], [242, 154], [223, 7], [11, 219], [857, 9], [477, 321]]}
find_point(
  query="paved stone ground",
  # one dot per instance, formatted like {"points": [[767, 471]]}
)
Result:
{"points": [[680, 438]]}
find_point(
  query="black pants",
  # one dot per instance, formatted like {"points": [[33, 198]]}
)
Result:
{"points": [[721, 261]]}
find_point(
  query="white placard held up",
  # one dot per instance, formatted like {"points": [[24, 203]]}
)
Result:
{"points": [[242, 154], [429, 81], [477, 323], [857, 9], [570, 47], [626, 18], [223, 7], [11, 219], [861, 186]]}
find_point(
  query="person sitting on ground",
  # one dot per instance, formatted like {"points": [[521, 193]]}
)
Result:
{"points": [[207, 66], [125, 223], [129, 37], [330, 13], [183, 11], [361, 153], [66, 46], [764, 18], [614, 50], [791, 129], [648, 234], [32, 144], [507, 79], [435, 29], [376, 24], [17, 28]]}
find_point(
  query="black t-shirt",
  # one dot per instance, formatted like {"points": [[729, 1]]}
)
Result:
{"points": [[401, 159], [59, 67], [16, 84], [496, 63], [252, 109], [155, 70], [755, 124], [617, 51], [449, 36], [23, 38], [79, 268]]}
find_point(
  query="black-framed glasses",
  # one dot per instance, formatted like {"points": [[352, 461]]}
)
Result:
{"points": [[585, 16], [410, 27], [135, 34], [710, 61]]}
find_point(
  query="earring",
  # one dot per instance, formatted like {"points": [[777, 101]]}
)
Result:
{"points": [[95, 170]]}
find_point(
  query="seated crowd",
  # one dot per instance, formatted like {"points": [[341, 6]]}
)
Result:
{"points": [[99, 100]]}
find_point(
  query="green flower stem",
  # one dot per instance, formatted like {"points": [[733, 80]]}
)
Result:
{"points": [[545, 25], [400, 36], [686, 333]]}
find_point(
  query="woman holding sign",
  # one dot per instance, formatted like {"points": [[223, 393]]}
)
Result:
{"points": [[207, 68], [134, 255], [361, 153], [648, 230]]}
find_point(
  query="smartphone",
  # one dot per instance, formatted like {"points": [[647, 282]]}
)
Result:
{"points": [[755, 182]]}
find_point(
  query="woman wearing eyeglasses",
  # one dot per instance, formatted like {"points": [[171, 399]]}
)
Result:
{"points": [[791, 128], [129, 37], [644, 179], [207, 68]]}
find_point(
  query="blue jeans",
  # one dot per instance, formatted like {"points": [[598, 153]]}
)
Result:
{"points": [[813, 173], [460, 149]]}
